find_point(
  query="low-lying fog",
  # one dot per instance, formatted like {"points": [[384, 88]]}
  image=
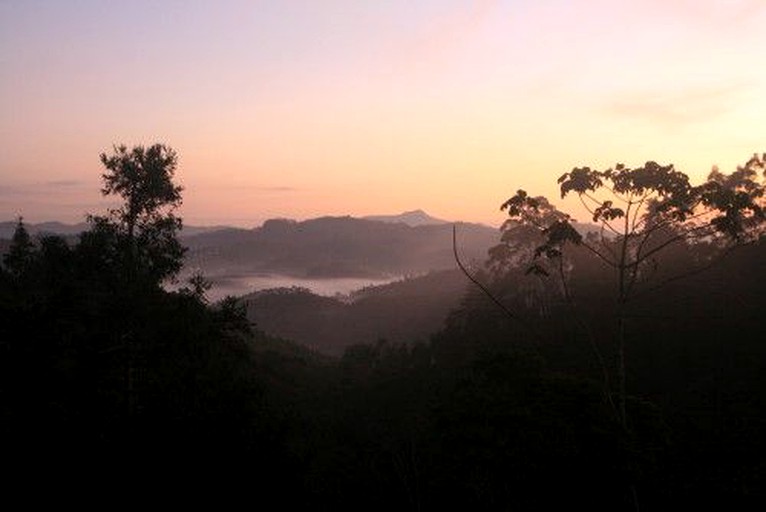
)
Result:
{"points": [[242, 285]]}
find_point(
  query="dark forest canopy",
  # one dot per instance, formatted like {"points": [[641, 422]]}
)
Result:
{"points": [[99, 364], [405, 311], [645, 214]]}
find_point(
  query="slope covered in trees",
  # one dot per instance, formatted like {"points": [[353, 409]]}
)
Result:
{"points": [[330, 247], [108, 381], [406, 311], [100, 365]]}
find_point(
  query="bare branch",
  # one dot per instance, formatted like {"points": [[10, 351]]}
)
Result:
{"points": [[606, 260], [484, 289], [606, 384], [692, 272]]}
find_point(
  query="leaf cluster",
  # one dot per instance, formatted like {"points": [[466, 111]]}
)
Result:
{"points": [[639, 213], [143, 177], [144, 227], [534, 229]]}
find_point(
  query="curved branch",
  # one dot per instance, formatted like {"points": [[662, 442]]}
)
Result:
{"points": [[617, 195], [606, 260], [606, 384], [636, 216], [692, 272], [484, 289], [686, 235], [603, 242]]}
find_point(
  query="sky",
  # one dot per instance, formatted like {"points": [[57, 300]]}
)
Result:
{"points": [[305, 108]]}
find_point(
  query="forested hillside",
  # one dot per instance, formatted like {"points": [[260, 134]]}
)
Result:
{"points": [[542, 390], [405, 311], [335, 247]]}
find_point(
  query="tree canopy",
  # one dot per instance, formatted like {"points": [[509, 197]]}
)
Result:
{"points": [[144, 228], [140, 384], [639, 213]]}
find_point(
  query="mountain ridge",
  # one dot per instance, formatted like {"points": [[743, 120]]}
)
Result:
{"points": [[411, 218], [54, 227], [327, 247], [320, 248]]}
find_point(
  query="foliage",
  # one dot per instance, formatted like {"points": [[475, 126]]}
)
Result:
{"points": [[530, 217], [20, 251], [144, 385], [99, 363], [642, 214], [143, 178], [144, 229]]}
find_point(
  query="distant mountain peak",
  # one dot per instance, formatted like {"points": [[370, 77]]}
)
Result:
{"points": [[412, 218]]}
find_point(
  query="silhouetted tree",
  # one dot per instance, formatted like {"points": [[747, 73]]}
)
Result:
{"points": [[19, 254], [641, 213], [134, 248], [144, 228]]}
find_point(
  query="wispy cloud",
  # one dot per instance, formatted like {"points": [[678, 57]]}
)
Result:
{"points": [[277, 189], [434, 45], [40, 188], [257, 188], [63, 183], [260, 188], [673, 108], [729, 15], [10, 191]]}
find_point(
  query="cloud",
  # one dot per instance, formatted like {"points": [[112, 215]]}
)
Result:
{"points": [[39, 188], [672, 108], [277, 189], [259, 188], [439, 39], [8, 191], [63, 183], [722, 14]]}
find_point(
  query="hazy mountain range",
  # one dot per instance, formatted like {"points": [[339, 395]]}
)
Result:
{"points": [[329, 247], [410, 244], [7, 228], [382, 246]]}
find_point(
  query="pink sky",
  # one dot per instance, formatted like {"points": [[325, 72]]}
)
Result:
{"points": [[306, 108]]}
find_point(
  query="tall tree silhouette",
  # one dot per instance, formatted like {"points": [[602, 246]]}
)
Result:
{"points": [[20, 251], [136, 246], [144, 226], [641, 214]]}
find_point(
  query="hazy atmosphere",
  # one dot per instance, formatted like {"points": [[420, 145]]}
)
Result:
{"points": [[303, 108], [384, 255]]}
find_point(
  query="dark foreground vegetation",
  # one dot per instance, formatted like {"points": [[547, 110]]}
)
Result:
{"points": [[106, 379]]}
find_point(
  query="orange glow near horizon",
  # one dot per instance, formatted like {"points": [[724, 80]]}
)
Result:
{"points": [[289, 109]]}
